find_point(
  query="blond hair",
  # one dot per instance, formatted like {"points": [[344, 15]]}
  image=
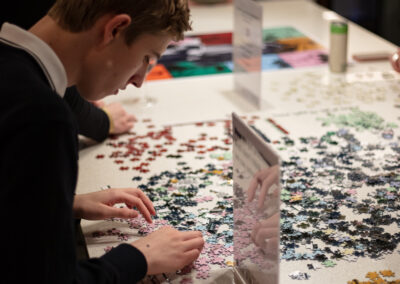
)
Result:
{"points": [[148, 16]]}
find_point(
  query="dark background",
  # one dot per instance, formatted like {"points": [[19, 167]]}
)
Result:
{"points": [[24, 12], [381, 17]]}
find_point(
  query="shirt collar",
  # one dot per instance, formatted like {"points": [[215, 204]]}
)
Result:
{"points": [[40, 51]]}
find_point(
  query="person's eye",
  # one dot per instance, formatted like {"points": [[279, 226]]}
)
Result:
{"points": [[152, 61], [146, 59]]}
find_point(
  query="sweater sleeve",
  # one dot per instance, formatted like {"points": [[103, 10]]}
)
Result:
{"points": [[127, 264], [92, 121], [38, 170]]}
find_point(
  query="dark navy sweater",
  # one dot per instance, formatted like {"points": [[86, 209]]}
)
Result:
{"points": [[38, 175]]}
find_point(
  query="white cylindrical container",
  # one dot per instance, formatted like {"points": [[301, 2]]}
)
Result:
{"points": [[338, 47]]}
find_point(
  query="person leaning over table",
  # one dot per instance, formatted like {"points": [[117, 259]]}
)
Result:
{"points": [[38, 165], [95, 120]]}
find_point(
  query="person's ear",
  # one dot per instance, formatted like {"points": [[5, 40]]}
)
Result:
{"points": [[114, 27]]}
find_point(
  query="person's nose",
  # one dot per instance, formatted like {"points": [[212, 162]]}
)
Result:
{"points": [[140, 76]]}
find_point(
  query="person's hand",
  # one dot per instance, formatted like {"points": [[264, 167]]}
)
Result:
{"points": [[268, 180], [99, 103], [265, 234], [100, 205], [121, 120], [168, 250]]}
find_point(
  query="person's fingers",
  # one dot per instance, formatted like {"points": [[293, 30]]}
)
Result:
{"points": [[263, 234], [143, 209], [187, 235], [191, 255], [256, 180], [133, 201], [195, 243], [166, 244], [125, 213], [254, 232], [271, 246], [266, 185], [271, 222], [104, 211], [146, 200], [128, 126], [131, 197], [131, 118], [251, 190], [267, 233]]}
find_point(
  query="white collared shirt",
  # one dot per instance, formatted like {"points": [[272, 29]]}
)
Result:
{"points": [[41, 52]]}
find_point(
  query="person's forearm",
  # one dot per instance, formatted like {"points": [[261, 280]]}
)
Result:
{"points": [[92, 121]]}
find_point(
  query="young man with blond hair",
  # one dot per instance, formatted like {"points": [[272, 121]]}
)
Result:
{"points": [[96, 120], [100, 46]]}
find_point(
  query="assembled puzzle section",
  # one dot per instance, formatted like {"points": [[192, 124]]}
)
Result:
{"points": [[208, 54]]}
